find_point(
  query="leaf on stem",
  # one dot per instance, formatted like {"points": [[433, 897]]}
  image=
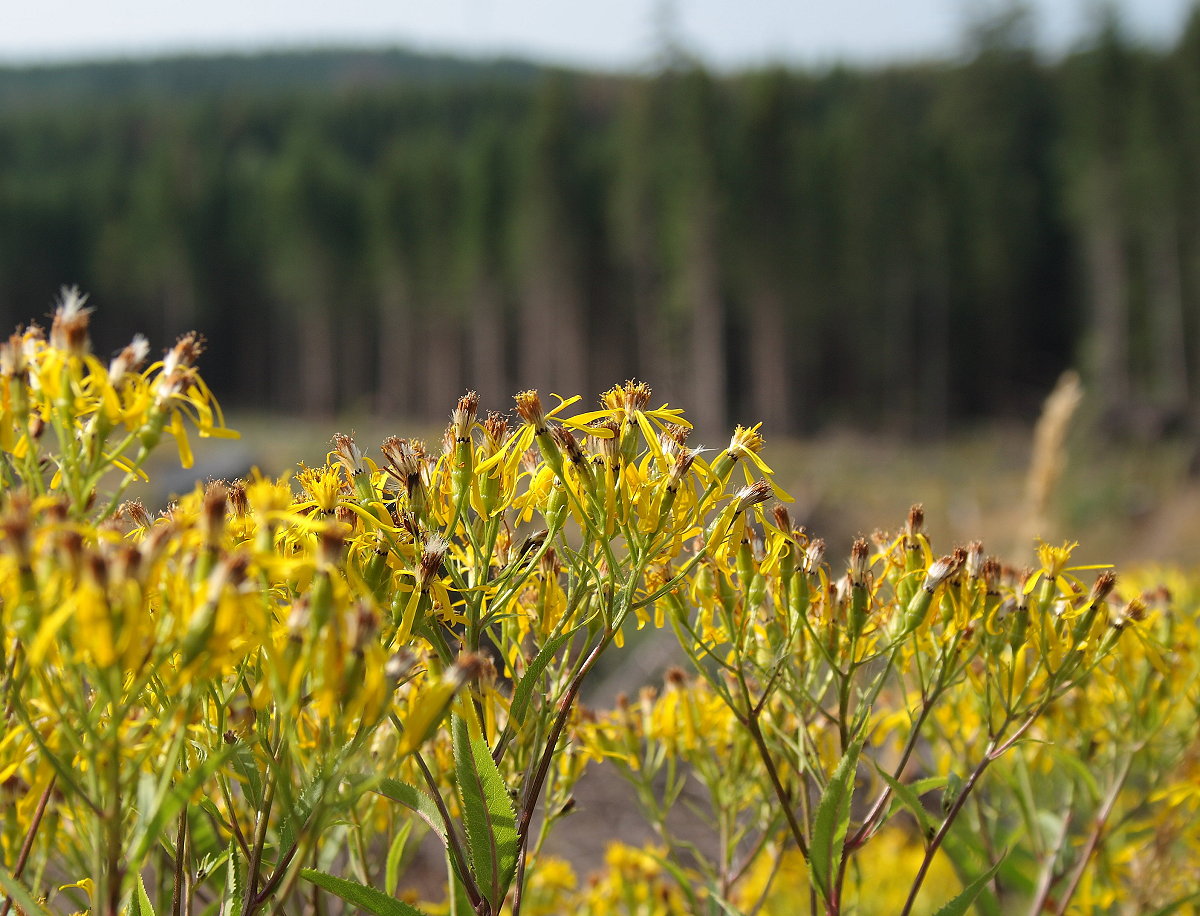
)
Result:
{"points": [[488, 814], [359, 895], [962, 903], [833, 817]]}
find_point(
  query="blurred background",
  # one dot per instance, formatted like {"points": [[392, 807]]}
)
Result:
{"points": [[883, 229]]}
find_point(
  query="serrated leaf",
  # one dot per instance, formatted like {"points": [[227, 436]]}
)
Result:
{"points": [[488, 815], [359, 895], [908, 796], [297, 811], [20, 895], [246, 767], [416, 801], [962, 903], [523, 692], [140, 905], [235, 883], [833, 817]]}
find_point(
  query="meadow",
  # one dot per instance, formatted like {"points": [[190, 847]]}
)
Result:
{"points": [[281, 691]]}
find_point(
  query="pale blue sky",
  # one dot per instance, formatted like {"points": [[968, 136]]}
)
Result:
{"points": [[606, 33]]}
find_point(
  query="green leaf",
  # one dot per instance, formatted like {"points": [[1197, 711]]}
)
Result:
{"points": [[960, 904], [909, 796], [359, 895], [488, 815], [415, 800], [395, 857], [296, 811], [235, 883], [174, 802], [833, 817], [246, 766], [529, 681], [20, 895], [141, 905]]}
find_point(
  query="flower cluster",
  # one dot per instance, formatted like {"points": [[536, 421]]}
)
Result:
{"points": [[272, 687]]}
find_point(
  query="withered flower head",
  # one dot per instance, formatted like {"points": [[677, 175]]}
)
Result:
{"points": [[349, 454], [238, 500], [916, 521], [683, 464], [69, 332], [607, 447], [463, 416], [991, 575], [495, 432], [529, 408], [814, 555], [975, 559], [565, 439], [939, 571], [1102, 587], [136, 513], [331, 541], [757, 492], [783, 518], [216, 499], [129, 359], [431, 559], [859, 555], [14, 362]]}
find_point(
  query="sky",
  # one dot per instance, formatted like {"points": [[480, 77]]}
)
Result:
{"points": [[612, 34]]}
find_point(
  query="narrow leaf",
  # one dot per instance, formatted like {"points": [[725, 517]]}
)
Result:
{"points": [[141, 900], [359, 895], [488, 815], [416, 801], [395, 857], [533, 674], [960, 904], [235, 883], [907, 795], [20, 895], [833, 817]]}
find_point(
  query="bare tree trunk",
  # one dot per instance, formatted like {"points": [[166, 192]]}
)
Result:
{"points": [[1108, 274], [1170, 363], [316, 359], [708, 384], [397, 348], [487, 369], [771, 396]]}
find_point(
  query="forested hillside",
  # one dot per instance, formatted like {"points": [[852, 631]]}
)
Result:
{"points": [[899, 247]]}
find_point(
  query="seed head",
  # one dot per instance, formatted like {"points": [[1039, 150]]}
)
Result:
{"points": [[814, 555], [69, 332], [757, 492], [939, 571], [129, 359], [431, 559], [975, 559]]}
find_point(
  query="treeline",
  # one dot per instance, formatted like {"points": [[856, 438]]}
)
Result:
{"points": [[897, 247]]}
